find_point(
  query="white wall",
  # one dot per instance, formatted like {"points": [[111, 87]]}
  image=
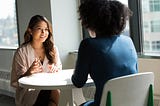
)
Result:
{"points": [[66, 29], [152, 65]]}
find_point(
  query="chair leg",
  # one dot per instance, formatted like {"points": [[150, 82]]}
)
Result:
{"points": [[109, 99], [150, 97]]}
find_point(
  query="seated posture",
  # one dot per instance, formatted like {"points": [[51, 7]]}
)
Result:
{"points": [[107, 53], [37, 54]]}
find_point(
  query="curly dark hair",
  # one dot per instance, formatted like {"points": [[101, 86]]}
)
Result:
{"points": [[48, 44], [105, 17]]}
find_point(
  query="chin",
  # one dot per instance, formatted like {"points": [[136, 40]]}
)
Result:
{"points": [[42, 40]]}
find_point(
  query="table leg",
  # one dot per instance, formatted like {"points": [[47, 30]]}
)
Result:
{"points": [[66, 98], [71, 97], [78, 96]]}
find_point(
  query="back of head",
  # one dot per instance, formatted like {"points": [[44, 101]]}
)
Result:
{"points": [[105, 17]]}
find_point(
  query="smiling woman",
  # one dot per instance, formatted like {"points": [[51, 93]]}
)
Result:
{"points": [[8, 26], [37, 54]]}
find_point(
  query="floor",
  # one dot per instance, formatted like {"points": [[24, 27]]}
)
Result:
{"points": [[156, 102], [6, 100], [9, 101]]}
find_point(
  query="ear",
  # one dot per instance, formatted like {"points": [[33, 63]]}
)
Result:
{"points": [[30, 31], [92, 33]]}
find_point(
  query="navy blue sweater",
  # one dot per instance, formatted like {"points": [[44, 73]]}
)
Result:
{"points": [[104, 58]]}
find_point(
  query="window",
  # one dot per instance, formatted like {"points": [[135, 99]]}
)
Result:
{"points": [[151, 27], [155, 26], [146, 7], [8, 26], [146, 27], [155, 46], [154, 5], [146, 45]]}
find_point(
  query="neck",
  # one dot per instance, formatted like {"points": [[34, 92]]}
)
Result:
{"points": [[37, 45]]}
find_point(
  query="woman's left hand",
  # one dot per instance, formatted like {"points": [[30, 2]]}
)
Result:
{"points": [[53, 68]]}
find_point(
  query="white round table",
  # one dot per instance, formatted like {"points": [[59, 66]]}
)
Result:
{"points": [[61, 80]]}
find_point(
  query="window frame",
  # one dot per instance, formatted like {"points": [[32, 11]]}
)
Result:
{"points": [[136, 25]]}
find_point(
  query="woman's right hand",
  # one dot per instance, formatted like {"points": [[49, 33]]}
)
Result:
{"points": [[36, 67]]}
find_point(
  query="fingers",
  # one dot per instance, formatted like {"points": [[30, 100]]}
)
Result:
{"points": [[36, 70], [36, 67], [53, 68]]}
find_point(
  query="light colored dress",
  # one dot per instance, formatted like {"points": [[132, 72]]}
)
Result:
{"points": [[23, 59]]}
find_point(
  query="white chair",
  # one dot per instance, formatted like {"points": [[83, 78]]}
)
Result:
{"points": [[129, 90]]}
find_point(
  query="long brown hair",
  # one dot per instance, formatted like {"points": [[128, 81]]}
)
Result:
{"points": [[48, 44]]}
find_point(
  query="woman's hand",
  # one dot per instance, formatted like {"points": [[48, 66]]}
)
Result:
{"points": [[36, 67], [53, 68]]}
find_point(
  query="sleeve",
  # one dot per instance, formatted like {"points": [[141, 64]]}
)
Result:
{"points": [[81, 72], [18, 68]]}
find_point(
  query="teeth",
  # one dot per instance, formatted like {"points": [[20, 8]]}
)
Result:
{"points": [[42, 36]]}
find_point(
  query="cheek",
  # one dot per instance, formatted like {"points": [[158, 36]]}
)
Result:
{"points": [[47, 36], [35, 36], [47, 33]]}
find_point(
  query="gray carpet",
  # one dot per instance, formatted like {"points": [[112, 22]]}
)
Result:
{"points": [[6, 100]]}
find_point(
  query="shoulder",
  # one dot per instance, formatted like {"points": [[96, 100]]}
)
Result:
{"points": [[126, 41], [124, 37], [23, 49], [86, 46], [86, 41], [55, 48]]}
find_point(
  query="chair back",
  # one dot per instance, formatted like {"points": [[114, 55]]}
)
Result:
{"points": [[129, 90]]}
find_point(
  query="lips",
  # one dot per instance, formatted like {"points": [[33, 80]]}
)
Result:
{"points": [[42, 36]]}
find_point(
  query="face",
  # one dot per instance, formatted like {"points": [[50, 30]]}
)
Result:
{"points": [[40, 32]]}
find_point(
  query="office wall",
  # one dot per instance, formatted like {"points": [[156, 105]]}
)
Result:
{"points": [[152, 65], [66, 28]]}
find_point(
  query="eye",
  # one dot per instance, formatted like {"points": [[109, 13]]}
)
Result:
{"points": [[38, 29], [41, 29], [46, 29]]}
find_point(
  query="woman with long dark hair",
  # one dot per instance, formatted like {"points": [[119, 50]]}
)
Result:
{"points": [[37, 54]]}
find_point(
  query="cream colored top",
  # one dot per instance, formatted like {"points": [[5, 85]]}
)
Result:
{"points": [[23, 58]]}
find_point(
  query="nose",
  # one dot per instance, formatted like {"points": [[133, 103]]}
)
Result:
{"points": [[43, 30]]}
